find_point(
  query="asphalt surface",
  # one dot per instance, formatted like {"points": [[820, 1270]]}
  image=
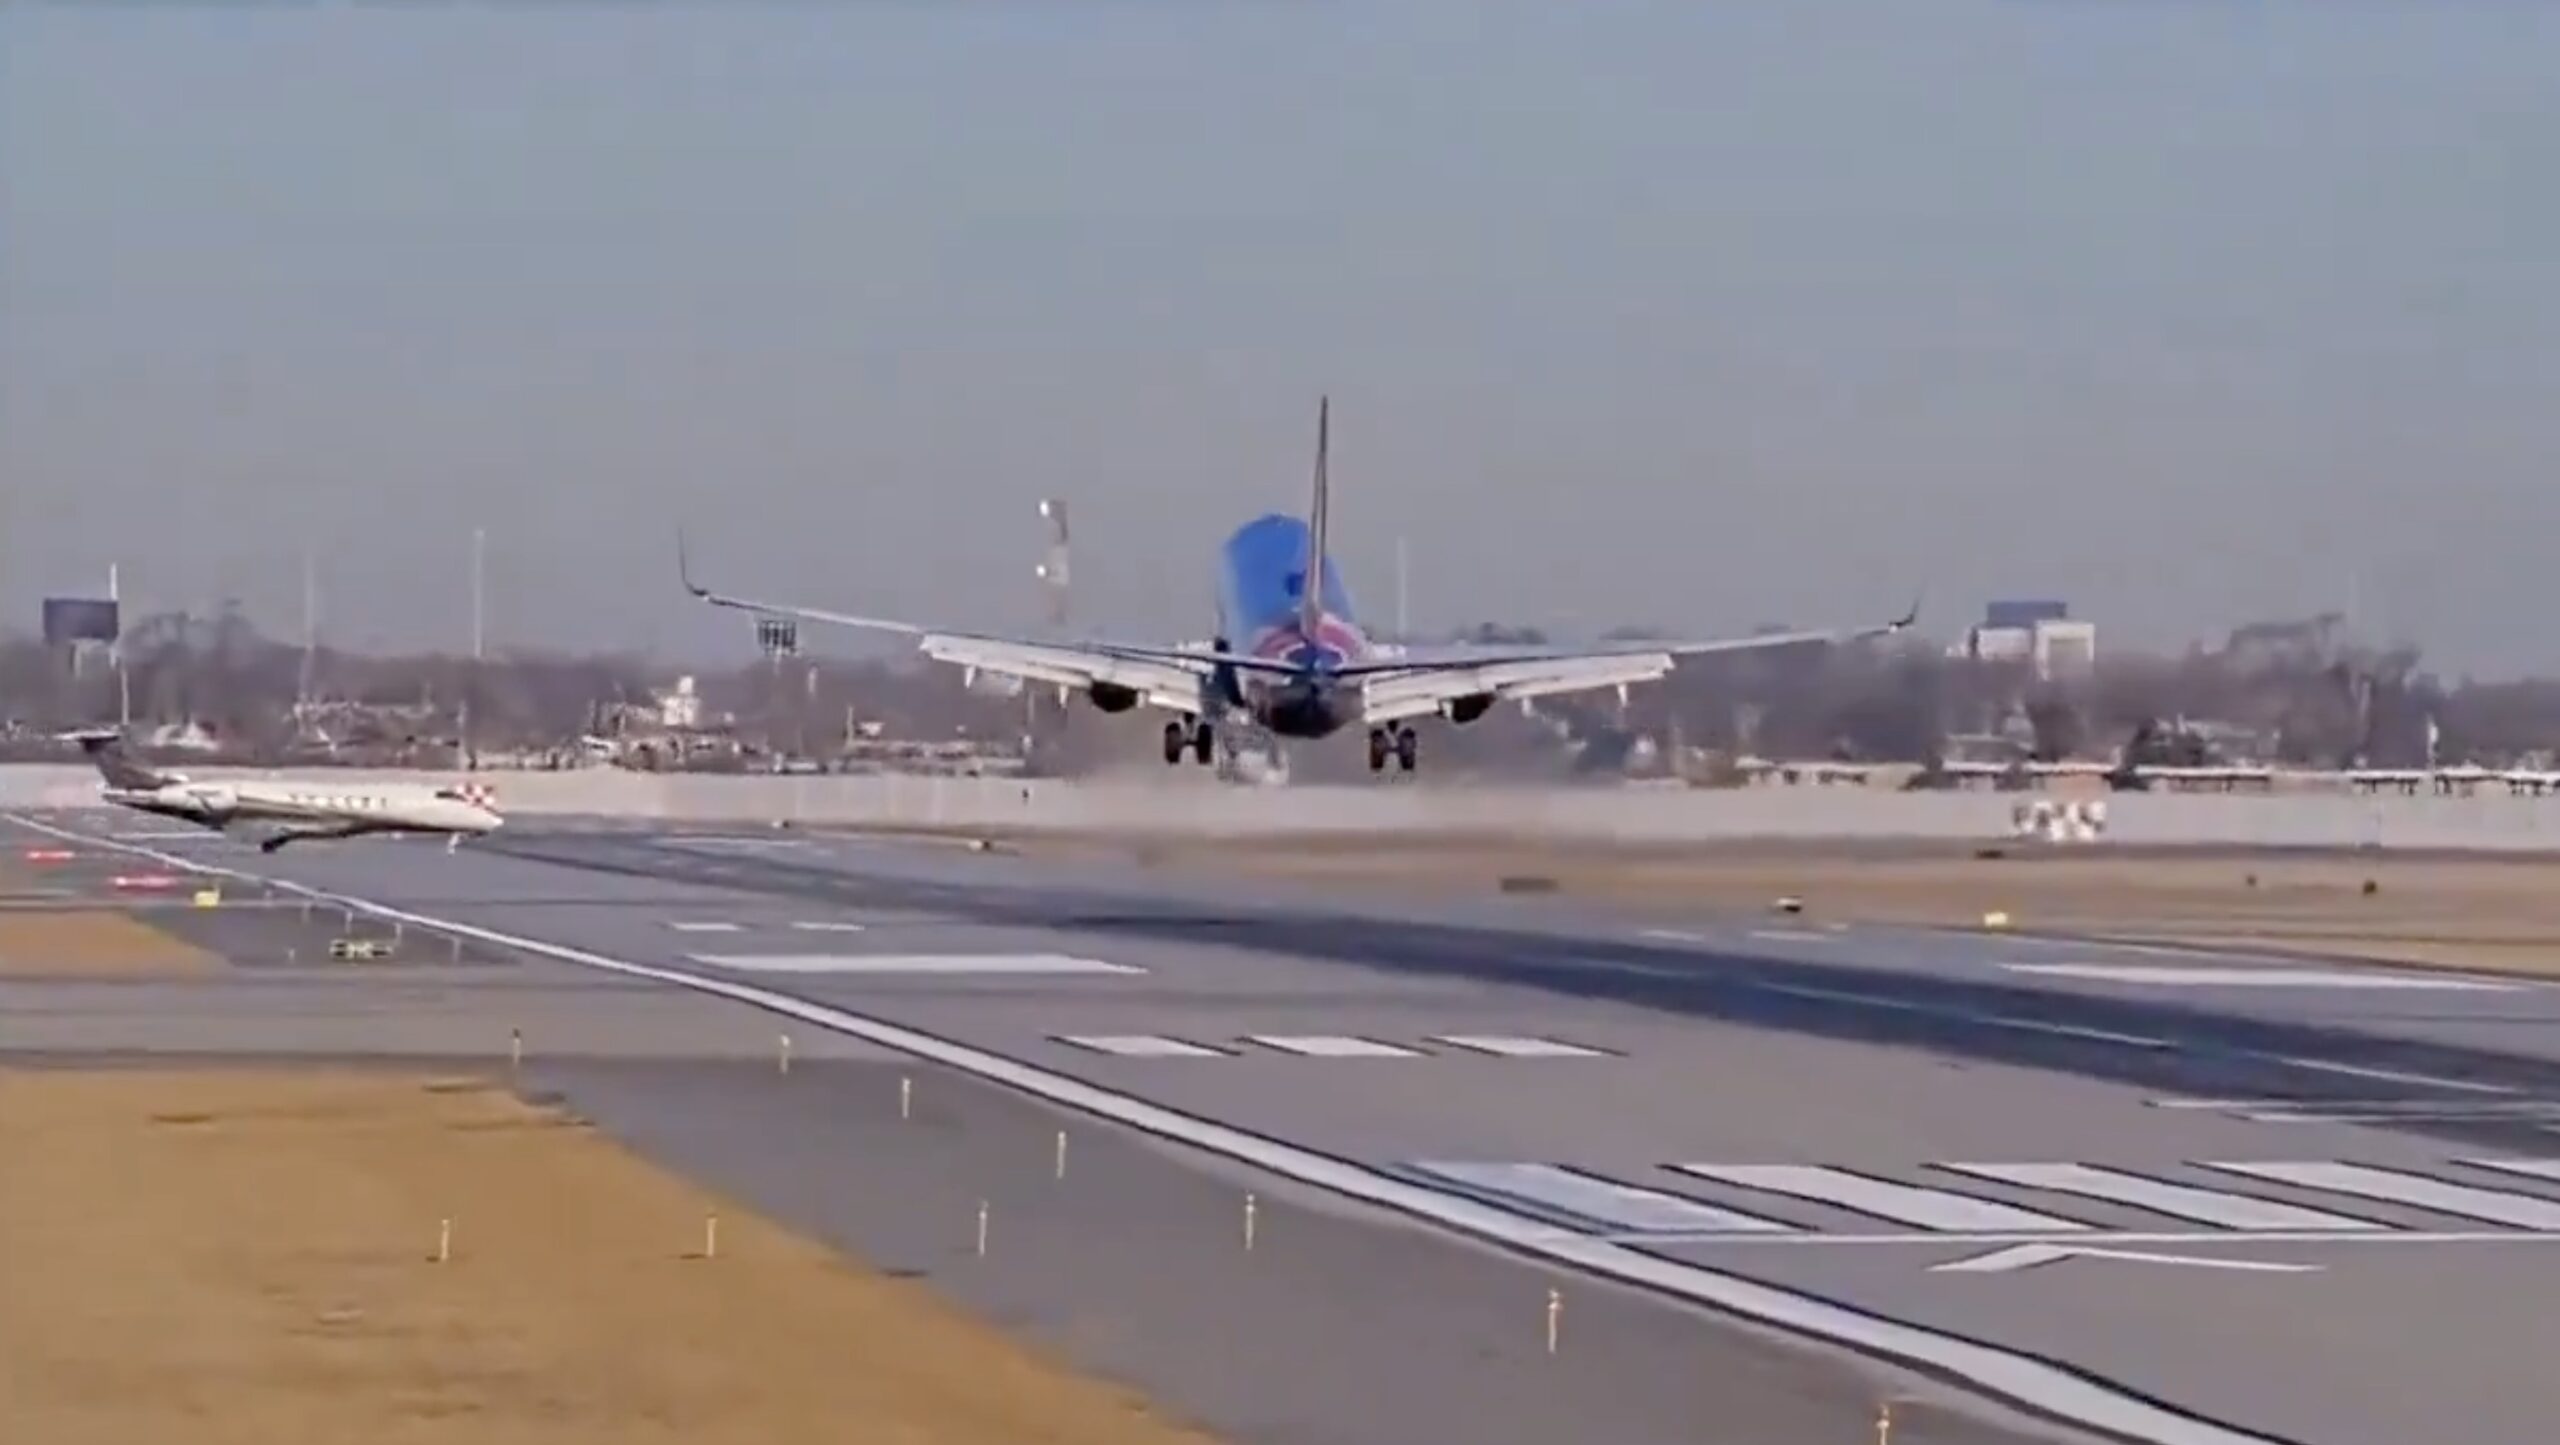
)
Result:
{"points": [[2295, 1173], [1340, 1323]]}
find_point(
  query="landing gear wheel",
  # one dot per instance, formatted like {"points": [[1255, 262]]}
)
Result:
{"points": [[1407, 745], [1176, 737], [1204, 744], [1378, 748]]}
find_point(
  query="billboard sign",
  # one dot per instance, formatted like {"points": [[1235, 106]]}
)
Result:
{"points": [[79, 619]]}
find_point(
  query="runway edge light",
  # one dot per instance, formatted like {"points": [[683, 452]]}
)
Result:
{"points": [[1997, 918]]}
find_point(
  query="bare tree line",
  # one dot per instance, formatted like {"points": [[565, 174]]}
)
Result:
{"points": [[2305, 698]]}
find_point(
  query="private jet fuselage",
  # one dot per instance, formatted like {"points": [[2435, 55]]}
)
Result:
{"points": [[311, 810]]}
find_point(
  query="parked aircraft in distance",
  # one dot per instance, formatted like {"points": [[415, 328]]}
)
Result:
{"points": [[1288, 654], [296, 809]]}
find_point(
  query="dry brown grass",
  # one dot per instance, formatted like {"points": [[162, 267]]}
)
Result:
{"points": [[247, 1257], [92, 943], [2476, 913]]}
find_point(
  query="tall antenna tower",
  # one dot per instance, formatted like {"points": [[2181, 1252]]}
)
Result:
{"points": [[1052, 571], [303, 698]]}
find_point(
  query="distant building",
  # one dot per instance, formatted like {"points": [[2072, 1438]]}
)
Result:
{"points": [[2040, 633], [2024, 615], [681, 708]]}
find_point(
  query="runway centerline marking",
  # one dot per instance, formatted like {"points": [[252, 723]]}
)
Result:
{"points": [[2392, 1076], [686, 925], [935, 965], [2022, 1378], [2269, 977]]}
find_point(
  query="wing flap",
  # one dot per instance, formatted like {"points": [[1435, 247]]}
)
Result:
{"points": [[1395, 697], [1165, 684]]}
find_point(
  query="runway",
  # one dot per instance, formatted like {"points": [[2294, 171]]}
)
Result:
{"points": [[2200, 1181]]}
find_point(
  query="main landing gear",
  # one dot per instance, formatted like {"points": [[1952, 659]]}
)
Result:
{"points": [[1192, 734], [1400, 742]]}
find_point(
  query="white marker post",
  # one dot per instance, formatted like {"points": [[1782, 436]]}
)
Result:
{"points": [[906, 1098], [1250, 1210], [1062, 1154], [515, 1050], [711, 1236], [444, 1240], [783, 1063], [1555, 1318], [1884, 1423], [982, 1229]]}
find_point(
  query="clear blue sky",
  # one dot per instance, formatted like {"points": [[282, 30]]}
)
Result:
{"points": [[1686, 313]]}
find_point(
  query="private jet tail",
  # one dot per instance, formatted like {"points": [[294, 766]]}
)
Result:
{"points": [[105, 747]]}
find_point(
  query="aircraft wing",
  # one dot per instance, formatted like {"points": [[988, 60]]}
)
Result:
{"points": [[1169, 677], [1417, 683], [1392, 697]]}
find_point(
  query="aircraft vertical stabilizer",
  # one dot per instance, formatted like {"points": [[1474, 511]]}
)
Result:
{"points": [[1311, 589]]}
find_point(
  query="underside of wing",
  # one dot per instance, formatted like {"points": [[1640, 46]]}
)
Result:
{"points": [[1151, 680], [1394, 697]]}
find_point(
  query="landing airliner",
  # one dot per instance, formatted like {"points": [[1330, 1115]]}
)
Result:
{"points": [[1288, 655], [301, 809]]}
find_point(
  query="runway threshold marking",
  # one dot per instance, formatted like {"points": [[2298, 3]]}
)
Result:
{"points": [[1943, 1210], [1335, 1046], [2008, 1374], [1141, 1046]]}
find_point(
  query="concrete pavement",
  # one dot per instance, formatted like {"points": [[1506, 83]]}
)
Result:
{"points": [[2187, 1176]]}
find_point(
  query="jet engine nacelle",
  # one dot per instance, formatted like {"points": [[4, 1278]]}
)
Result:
{"points": [[210, 799], [1112, 697], [1467, 709]]}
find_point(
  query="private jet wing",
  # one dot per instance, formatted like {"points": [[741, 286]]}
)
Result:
{"points": [[1168, 677], [1419, 683]]}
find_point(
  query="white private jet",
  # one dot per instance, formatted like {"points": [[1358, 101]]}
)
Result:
{"points": [[298, 808], [1288, 657]]}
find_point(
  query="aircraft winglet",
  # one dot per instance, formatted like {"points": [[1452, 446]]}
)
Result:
{"points": [[684, 569]]}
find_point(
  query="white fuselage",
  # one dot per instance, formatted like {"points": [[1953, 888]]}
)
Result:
{"points": [[321, 807]]}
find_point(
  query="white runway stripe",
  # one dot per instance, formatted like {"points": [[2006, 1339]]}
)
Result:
{"points": [[1936, 1209], [2394, 1076], [822, 926], [1335, 1046], [2257, 977], [1604, 1202], [2415, 1190], [1141, 1046], [2529, 1168], [681, 925], [1514, 1047], [2206, 1206], [936, 964]]}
